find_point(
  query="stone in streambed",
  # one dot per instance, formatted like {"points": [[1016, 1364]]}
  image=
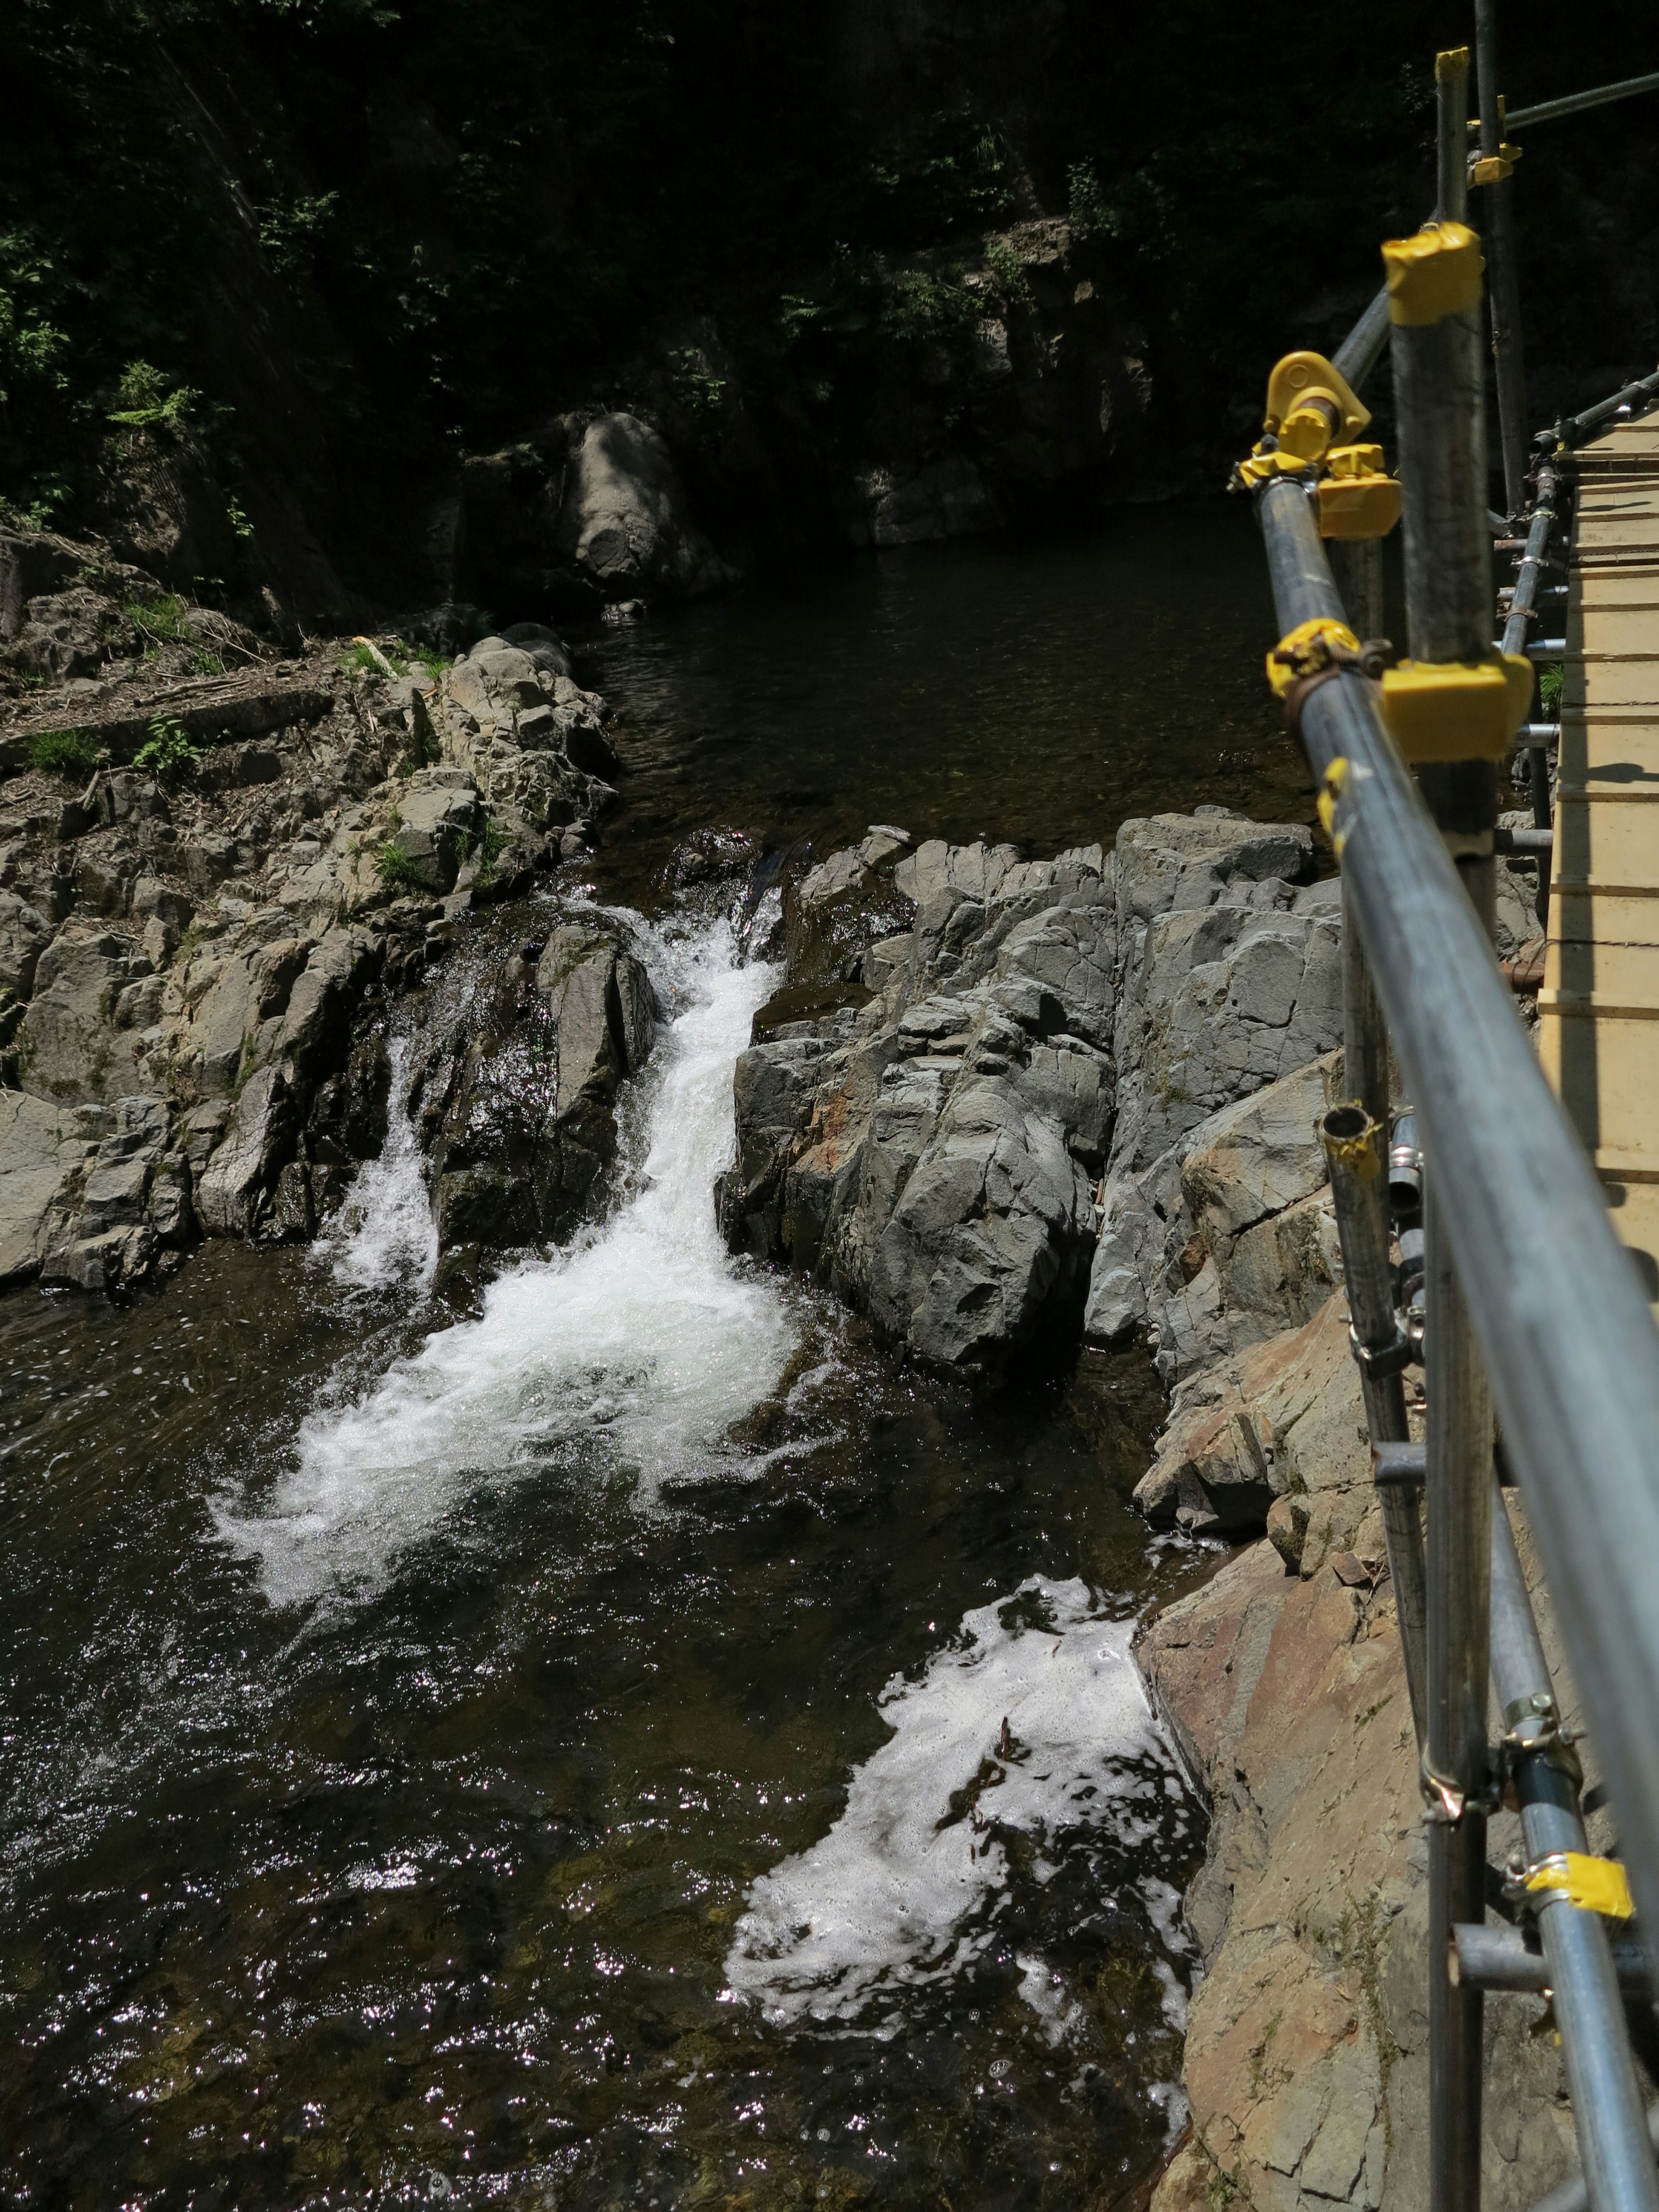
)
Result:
{"points": [[523, 1109]]}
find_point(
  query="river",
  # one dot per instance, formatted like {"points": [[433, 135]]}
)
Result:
{"points": [[628, 1745]]}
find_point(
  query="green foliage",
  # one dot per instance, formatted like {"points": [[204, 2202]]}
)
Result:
{"points": [[490, 846], [146, 400], [168, 754], [922, 310], [1549, 687], [396, 868], [693, 383], [161, 620], [1085, 205], [1009, 271], [63, 752], [292, 229]]}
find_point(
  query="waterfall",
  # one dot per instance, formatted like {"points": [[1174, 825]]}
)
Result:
{"points": [[633, 1351]]}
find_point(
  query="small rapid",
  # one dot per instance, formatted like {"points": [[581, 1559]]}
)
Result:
{"points": [[630, 1353]]}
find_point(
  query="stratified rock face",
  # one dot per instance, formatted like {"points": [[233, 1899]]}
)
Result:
{"points": [[1307, 2062], [934, 1146], [519, 1100], [1214, 1232], [625, 527], [930, 1151], [203, 957]]}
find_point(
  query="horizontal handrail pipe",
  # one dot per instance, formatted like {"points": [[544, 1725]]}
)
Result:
{"points": [[1573, 428], [1580, 103], [1491, 1955], [1559, 1310]]}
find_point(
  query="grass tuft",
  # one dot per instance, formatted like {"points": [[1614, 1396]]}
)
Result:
{"points": [[63, 752]]}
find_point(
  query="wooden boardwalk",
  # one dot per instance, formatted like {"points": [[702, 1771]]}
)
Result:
{"points": [[1599, 1004]]}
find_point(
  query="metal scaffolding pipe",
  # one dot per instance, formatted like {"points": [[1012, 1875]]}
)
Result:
{"points": [[1573, 2195], [1641, 393], [1353, 1141], [1504, 291], [1612, 2136], [1360, 351], [1451, 153], [1495, 1957], [1522, 606], [1575, 103], [1439, 396], [1564, 1325]]}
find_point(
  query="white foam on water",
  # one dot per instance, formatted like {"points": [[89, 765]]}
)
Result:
{"points": [[642, 1343], [902, 1891], [384, 1236]]}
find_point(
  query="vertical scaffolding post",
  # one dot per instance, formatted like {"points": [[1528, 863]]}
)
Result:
{"points": [[1357, 564], [1451, 95], [1355, 1146], [1613, 2132], [1497, 223], [1440, 397]]}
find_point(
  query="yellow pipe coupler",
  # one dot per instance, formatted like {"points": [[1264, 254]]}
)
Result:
{"points": [[1433, 274], [1453, 710], [1306, 649], [1309, 405], [1357, 499], [1493, 168]]}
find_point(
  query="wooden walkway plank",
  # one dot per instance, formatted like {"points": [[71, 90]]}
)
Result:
{"points": [[1599, 1008]]}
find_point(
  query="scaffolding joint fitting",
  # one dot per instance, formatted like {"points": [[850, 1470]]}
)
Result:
{"points": [[1533, 1729], [1453, 710], [1310, 405], [1446, 1799], [1433, 274], [1357, 499], [1377, 1360], [1264, 462], [1593, 1885], [1494, 168]]}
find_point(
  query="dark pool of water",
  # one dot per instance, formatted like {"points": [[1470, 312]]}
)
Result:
{"points": [[431, 1895], [1036, 690]]}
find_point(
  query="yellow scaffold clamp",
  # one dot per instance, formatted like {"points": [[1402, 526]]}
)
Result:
{"points": [[1493, 169], [1452, 710], [1434, 273], [1312, 646], [1593, 1885], [1310, 403], [1356, 498], [1263, 463]]}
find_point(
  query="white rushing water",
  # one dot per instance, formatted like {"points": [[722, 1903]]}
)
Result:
{"points": [[385, 1236], [641, 1343], [904, 1890]]}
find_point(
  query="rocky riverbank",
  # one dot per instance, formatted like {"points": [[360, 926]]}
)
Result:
{"points": [[999, 1104], [221, 854]]}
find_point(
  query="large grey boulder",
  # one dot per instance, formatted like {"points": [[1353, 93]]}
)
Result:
{"points": [[931, 1153], [625, 526], [508, 715], [241, 1172], [24, 935], [519, 1100], [33, 1134]]}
